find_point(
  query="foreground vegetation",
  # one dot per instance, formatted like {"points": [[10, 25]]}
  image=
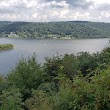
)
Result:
{"points": [[69, 82], [6, 46], [66, 30]]}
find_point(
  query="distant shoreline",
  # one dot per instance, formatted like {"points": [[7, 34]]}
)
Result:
{"points": [[57, 38]]}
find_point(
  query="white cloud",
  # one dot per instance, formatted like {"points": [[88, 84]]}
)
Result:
{"points": [[101, 1], [80, 15], [55, 10], [105, 14]]}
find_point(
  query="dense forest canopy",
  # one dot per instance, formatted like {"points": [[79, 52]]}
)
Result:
{"points": [[72, 29]]}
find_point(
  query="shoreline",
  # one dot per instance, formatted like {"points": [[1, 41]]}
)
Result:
{"points": [[62, 38]]}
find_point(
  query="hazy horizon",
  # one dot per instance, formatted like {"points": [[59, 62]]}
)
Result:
{"points": [[53, 21]]}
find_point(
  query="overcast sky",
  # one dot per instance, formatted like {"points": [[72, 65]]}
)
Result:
{"points": [[55, 10]]}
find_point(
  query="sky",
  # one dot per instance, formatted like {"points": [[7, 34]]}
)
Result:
{"points": [[55, 10]]}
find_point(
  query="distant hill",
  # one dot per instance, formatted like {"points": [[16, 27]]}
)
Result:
{"points": [[72, 29]]}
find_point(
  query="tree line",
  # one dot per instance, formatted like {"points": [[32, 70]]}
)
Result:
{"points": [[72, 29]]}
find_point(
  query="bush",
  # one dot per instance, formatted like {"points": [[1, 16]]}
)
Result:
{"points": [[83, 95], [11, 100], [27, 75]]}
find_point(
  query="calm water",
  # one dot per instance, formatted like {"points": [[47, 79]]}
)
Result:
{"points": [[45, 48]]}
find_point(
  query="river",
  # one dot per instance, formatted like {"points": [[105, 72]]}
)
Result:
{"points": [[45, 48]]}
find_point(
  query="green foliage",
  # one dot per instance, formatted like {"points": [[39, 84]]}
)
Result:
{"points": [[38, 101], [73, 29], [83, 95], [11, 100], [3, 84], [6, 46], [70, 65], [27, 75], [87, 63], [104, 56], [52, 67]]}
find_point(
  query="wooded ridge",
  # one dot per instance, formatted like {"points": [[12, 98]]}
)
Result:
{"points": [[66, 29]]}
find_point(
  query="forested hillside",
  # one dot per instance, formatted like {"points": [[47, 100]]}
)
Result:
{"points": [[70, 29]]}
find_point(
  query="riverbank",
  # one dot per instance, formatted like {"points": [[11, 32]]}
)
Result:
{"points": [[57, 38], [6, 46]]}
